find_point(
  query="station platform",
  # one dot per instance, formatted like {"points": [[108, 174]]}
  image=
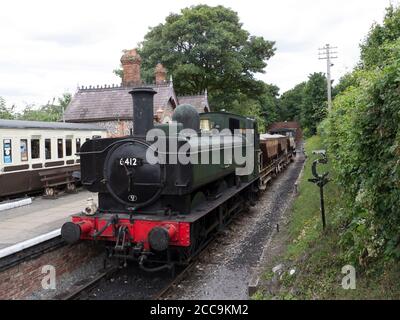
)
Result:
{"points": [[40, 217]]}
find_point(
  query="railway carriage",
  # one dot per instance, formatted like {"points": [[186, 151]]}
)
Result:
{"points": [[163, 214], [30, 149]]}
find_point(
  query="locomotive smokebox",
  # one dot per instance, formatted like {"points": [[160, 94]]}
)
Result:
{"points": [[143, 100]]}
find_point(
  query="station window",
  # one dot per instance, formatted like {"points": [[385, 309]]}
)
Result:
{"points": [[7, 151], [35, 148], [68, 147], [60, 148], [47, 148], [78, 144], [24, 149]]}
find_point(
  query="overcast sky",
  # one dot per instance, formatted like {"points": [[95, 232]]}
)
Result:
{"points": [[48, 47]]}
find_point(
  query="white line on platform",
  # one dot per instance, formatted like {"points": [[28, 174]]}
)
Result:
{"points": [[28, 243], [15, 204]]}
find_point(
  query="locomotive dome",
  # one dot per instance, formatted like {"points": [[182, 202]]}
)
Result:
{"points": [[188, 116]]}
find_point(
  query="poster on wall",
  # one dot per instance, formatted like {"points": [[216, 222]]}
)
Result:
{"points": [[7, 157]]}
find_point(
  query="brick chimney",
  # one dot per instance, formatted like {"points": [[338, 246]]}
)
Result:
{"points": [[160, 73], [130, 61]]}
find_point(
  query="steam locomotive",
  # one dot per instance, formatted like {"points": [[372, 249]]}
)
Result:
{"points": [[160, 201]]}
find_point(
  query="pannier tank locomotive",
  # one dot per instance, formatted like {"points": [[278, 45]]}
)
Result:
{"points": [[162, 214]]}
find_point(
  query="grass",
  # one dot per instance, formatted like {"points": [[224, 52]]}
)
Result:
{"points": [[317, 254], [306, 223]]}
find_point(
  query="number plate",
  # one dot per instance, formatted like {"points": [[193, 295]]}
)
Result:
{"points": [[130, 162]]}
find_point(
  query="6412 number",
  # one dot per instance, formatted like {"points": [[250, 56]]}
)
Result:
{"points": [[129, 162]]}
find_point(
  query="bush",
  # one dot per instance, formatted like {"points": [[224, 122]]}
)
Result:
{"points": [[364, 140]]}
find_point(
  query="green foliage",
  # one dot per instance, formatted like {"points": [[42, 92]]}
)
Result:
{"points": [[291, 103], [318, 256], [376, 48], [305, 225], [6, 113], [268, 106], [363, 133], [365, 138], [306, 103], [314, 105], [206, 47], [48, 112], [345, 82]]}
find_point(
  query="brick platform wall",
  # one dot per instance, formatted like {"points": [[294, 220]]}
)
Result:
{"points": [[25, 278]]}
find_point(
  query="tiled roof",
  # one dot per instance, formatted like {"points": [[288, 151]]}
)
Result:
{"points": [[199, 102], [111, 103]]}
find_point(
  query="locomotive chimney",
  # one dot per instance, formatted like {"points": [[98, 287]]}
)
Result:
{"points": [[143, 114]]}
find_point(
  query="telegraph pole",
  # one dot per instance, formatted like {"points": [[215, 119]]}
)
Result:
{"points": [[327, 53]]}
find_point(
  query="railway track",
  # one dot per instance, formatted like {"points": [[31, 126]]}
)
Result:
{"points": [[82, 289]]}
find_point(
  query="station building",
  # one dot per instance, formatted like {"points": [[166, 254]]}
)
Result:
{"points": [[110, 106]]}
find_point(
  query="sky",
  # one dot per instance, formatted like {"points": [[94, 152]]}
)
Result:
{"points": [[49, 47]]}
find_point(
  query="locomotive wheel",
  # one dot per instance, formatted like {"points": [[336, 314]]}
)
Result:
{"points": [[237, 181], [198, 199], [198, 237], [222, 187]]}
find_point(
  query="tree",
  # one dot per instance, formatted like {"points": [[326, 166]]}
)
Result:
{"points": [[376, 48], [305, 103], [314, 102], [64, 101], [206, 47], [269, 103], [363, 137], [291, 103], [48, 112], [345, 82], [6, 113]]}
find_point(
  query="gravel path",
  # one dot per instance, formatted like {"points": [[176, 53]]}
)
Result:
{"points": [[226, 270]]}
